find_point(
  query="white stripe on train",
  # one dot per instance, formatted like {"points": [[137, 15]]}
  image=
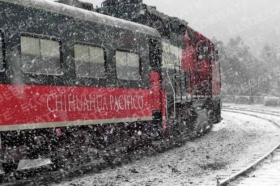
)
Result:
{"points": [[46, 125]]}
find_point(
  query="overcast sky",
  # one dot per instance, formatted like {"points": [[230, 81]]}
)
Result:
{"points": [[256, 21]]}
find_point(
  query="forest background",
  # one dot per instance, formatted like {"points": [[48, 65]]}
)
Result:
{"points": [[247, 73]]}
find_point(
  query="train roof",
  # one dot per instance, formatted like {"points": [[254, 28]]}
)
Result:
{"points": [[144, 14], [91, 16]]}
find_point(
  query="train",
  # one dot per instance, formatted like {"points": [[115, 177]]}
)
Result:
{"points": [[74, 78]]}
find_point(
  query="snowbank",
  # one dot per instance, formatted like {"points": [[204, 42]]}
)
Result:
{"points": [[271, 101], [242, 100]]}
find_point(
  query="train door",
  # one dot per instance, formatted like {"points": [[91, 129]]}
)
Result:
{"points": [[180, 83], [175, 78], [204, 88], [168, 83], [155, 83], [180, 77]]}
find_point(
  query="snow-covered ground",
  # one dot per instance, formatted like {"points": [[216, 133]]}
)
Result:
{"points": [[228, 146]]}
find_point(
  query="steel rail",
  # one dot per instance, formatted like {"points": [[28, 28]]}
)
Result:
{"points": [[241, 172], [274, 113]]}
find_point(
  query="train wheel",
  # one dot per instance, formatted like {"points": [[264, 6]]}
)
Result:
{"points": [[201, 122], [211, 118], [217, 114], [191, 118]]}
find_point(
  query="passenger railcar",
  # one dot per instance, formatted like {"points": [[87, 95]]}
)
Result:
{"points": [[65, 72]]}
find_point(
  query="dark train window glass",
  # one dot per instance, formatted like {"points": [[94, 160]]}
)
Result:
{"points": [[89, 61], [128, 65], [40, 56]]}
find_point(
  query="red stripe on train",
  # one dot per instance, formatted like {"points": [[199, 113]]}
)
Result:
{"points": [[22, 104]]}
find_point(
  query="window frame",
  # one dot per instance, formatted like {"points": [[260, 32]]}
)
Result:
{"points": [[140, 64], [2, 34], [43, 37], [105, 60]]}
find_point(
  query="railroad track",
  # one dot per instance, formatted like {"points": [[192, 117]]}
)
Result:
{"points": [[255, 110], [267, 174], [262, 174]]}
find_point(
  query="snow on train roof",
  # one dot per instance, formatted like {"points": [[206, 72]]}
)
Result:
{"points": [[85, 14]]}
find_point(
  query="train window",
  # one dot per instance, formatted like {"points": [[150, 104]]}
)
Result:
{"points": [[40, 56], [89, 61], [128, 65]]}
